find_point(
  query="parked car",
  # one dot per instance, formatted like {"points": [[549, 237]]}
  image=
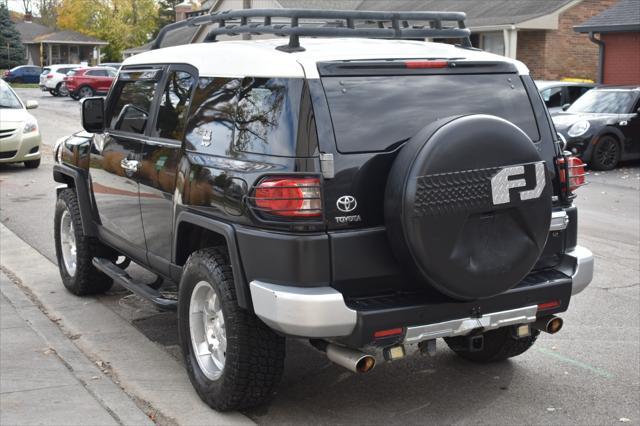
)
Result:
{"points": [[19, 133], [87, 82], [22, 74], [52, 78], [331, 189], [603, 126], [559, 94]]}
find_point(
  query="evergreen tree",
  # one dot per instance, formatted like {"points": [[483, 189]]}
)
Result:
{"points": [[11, 49]]}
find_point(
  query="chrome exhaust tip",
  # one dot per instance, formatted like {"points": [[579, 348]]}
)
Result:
{"points": [[551, 324], [352, 360]]}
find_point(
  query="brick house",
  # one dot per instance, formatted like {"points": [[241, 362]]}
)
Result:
{"points": [[538, 32], [619, 42]]}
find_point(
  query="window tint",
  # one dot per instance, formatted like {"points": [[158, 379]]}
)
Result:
{"points": [[575, 92], [112, 73], [375, 113], [138, 94], [552, 97], [211, 121], [267, 116], [604, 102], [174, 105], [64, 70], [45, 71]]}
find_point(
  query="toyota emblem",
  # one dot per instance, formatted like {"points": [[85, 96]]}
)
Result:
{"points": [[346, 203]]}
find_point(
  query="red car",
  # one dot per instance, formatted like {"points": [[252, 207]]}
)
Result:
{"points": [[85, 82]]}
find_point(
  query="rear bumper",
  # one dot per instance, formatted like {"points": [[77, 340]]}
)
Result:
{"points": [[322, 312]]}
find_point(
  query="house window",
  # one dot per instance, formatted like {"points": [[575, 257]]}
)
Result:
{"points": [[56, 56], [493, 42]]}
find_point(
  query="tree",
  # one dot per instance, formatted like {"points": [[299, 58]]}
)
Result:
{"points": [[123, 23], [166, 14], [48, 12], [11, 48]]}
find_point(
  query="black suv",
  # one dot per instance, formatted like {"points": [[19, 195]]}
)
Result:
{"points": [[368, 195]]}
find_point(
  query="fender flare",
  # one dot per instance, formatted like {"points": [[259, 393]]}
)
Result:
{"points": [[228, 232], [78, 179]]}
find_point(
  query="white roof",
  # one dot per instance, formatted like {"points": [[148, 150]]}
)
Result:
{"points": [[259, 58]]}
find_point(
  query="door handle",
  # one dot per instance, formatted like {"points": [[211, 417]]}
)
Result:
{"points": [[130, 165]]}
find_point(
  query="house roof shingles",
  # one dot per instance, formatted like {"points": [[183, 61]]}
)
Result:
{"points": [[30, 32], [479, 13], [623, 16]]}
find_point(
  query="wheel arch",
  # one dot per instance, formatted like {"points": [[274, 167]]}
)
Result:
{"points": [[194, 232], [78, 180]]}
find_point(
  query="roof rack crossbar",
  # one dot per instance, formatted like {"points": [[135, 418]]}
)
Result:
{"points": [[339, 23]]}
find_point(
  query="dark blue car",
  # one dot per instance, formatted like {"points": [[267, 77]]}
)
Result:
{"points": [[23, 74]]}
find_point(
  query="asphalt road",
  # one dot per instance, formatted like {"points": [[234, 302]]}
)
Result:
{"points": [[589, 373]]}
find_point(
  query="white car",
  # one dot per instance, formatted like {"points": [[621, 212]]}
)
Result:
{"points": [[52, 78], [19, 132]]}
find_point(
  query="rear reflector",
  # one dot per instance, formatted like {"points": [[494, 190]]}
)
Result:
{"points": [[289, 196], [548, 305], [426, 64], [387, 333]]}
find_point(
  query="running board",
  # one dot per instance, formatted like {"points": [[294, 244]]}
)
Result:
{"points": [[121, 277]]}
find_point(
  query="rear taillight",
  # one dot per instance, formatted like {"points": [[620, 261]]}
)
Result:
{"points": [[426, 64], [552, 304], [49, 75], [572, 172], [289, 196], [7, 74]]}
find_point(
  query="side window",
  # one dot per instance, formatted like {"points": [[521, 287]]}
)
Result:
{"points": [[97, 73], [174, 105], [112, 73], [130, 105], [211, 122], [552, 97], [576, 91], [267, 116]]}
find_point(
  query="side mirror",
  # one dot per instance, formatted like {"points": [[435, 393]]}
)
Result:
{"points": [[565, 107], [93, 114], [31, 104]]}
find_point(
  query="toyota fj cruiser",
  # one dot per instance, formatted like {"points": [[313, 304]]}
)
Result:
{"points": [[364, 189]]}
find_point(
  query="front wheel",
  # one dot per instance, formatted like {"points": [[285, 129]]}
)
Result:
{"points": [[74, 96], [32, 164], [233, 359], [606, 154], [75, 251], [499, 345]]}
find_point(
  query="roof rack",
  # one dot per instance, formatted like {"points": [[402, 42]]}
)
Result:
{"points": [[336, 23]]}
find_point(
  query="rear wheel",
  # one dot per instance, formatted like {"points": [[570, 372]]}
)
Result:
{"points": [[606, 154], [75, 251], [54, 92], [62, 89], [74, 96], [233, 359], [499, 345], [85, 92]]}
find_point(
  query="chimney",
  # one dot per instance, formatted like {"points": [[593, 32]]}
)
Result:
{"points": [[28, 17]]}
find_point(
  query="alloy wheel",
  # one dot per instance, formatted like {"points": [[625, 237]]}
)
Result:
{"points": [[68, 243], [207, 329]]}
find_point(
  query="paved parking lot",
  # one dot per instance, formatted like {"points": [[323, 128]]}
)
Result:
{"points": [[589, 373]]}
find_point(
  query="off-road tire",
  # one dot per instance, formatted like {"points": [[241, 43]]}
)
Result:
{"points": [[254, 355], [499, 345], [87, 279], [606, 153], [32, 164]]}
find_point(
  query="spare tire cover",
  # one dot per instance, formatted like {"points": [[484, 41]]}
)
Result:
{"points": [[468, 205]]}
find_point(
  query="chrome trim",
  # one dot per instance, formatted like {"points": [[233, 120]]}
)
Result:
{"points": [[559, 221], [302, 311], [462, 326], [582, 268]]}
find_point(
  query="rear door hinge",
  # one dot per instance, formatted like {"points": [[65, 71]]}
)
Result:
{"points": [[326, 165]]}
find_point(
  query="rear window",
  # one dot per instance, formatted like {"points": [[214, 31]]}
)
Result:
{"points": [[45, 71], [376, 113]]}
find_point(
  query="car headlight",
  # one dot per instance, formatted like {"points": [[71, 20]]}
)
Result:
{"points": [[579, 128], [30, 127]]}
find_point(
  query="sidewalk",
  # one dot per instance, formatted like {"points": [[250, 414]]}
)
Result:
{"points": [[45, 379]]}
